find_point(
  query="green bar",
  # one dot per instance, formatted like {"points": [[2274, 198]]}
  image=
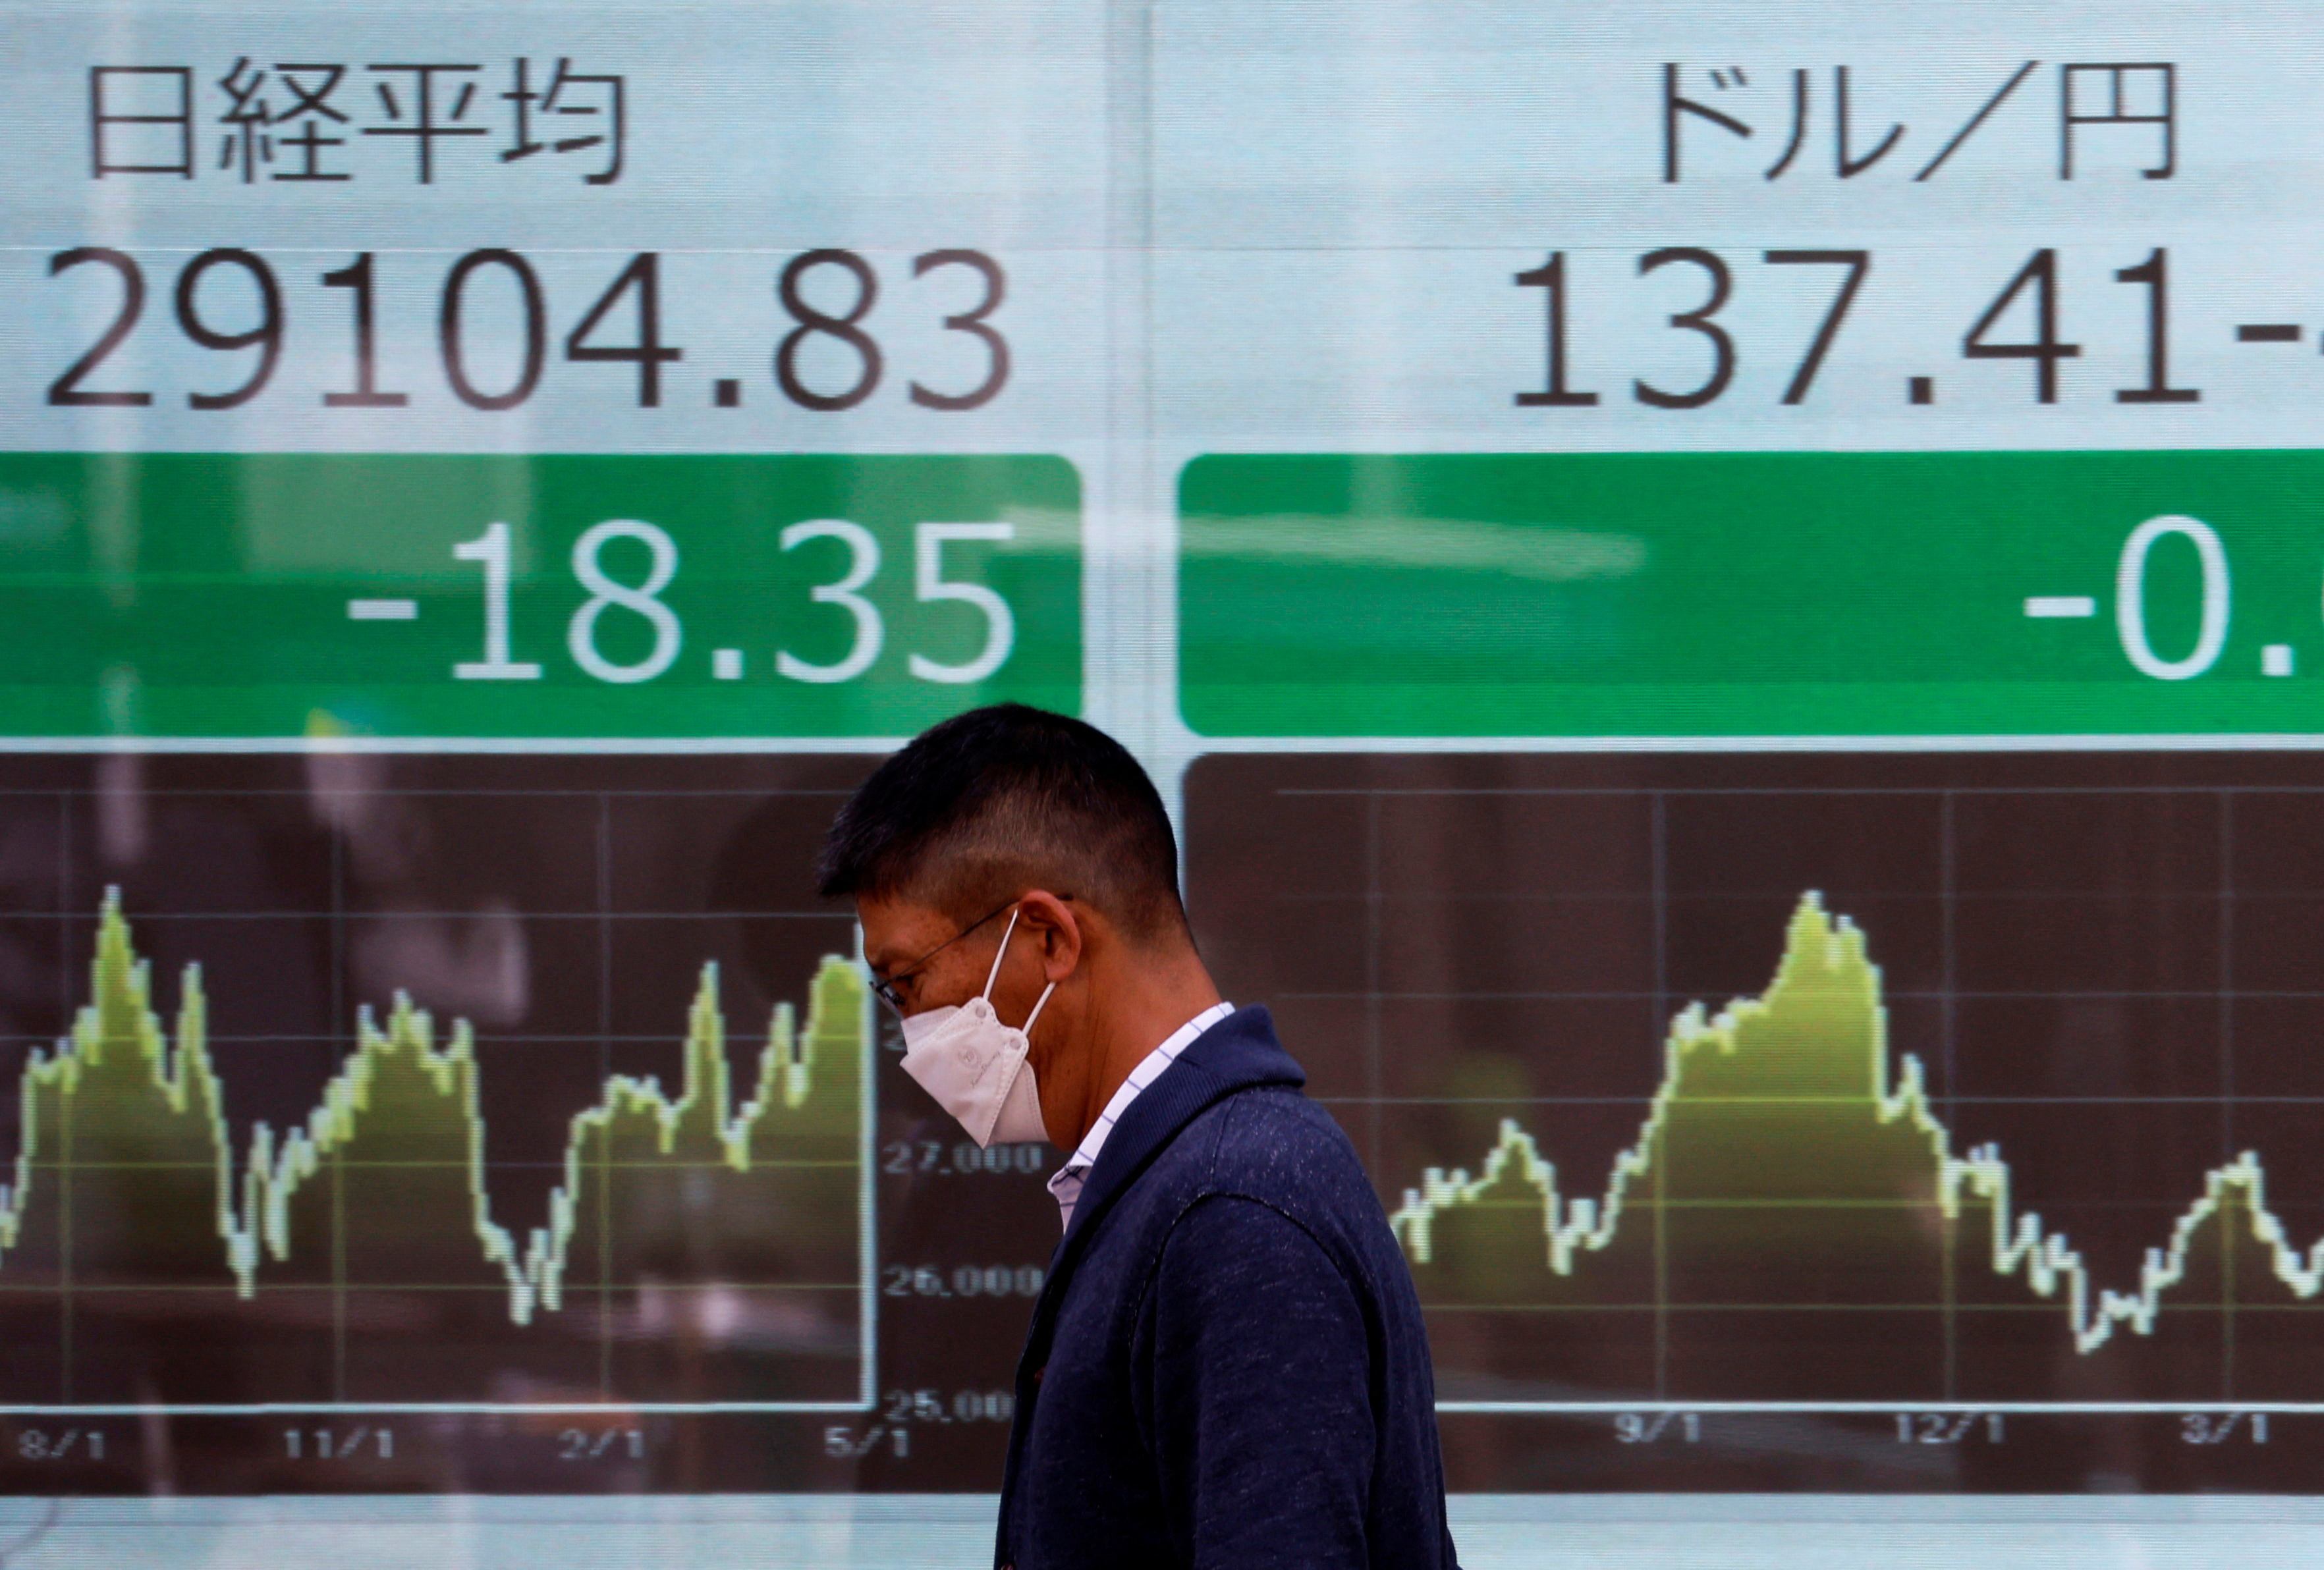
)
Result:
{"points": [[1741, 594], [208, 595]]}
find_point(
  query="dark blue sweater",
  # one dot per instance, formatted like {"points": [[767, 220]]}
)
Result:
{"points": [[1227, 1367]]}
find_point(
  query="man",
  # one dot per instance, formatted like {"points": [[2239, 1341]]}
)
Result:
{"points": [[1227, 1366]]}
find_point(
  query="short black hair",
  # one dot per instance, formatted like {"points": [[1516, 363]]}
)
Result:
{"points": [[990, 803]]}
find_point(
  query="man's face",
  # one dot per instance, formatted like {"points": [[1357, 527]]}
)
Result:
{"points": [[932, 961], [927, 956]]}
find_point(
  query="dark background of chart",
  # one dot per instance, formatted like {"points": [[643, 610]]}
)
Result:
{"points": [[563, 906], [2108, 965], [2103, 963]]}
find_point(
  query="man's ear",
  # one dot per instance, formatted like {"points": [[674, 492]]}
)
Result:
{"points": [[1054, 923]]}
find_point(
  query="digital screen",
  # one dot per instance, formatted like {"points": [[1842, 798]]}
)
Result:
{"points": [[1727, 606], [1838, 1121]]}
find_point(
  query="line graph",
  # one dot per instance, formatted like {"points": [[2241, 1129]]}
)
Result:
{"points": [[1813, 1085], [1806, 1066], [432, 1086], [386, 1180]]}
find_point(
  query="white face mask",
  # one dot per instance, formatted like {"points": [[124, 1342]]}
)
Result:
{"points": [[975, 1066]]}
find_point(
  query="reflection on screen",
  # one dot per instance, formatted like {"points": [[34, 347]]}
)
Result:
{"points": [[1727, 606]]}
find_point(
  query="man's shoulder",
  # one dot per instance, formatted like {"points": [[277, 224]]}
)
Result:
{"points": [[1273, 1145], [1267, 1130]]}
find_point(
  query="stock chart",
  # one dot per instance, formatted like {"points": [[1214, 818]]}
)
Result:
{"points": [[376, 1215], [1725, 603], [473, 1122], [1943, 1107]]}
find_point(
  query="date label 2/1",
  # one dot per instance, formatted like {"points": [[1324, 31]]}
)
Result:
{"points": [[601, 1445]]}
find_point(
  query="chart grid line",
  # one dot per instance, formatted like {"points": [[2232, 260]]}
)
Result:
{"points": [[1949, 1088], [340, 1371], [1374, 1028], [2226, 810], [2039, 944]]}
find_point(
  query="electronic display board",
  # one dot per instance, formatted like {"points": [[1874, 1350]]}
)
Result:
{"points": [[1729, 607]]}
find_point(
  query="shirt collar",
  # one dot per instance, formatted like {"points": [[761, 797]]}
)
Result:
{"points": [[1066, 1185]]}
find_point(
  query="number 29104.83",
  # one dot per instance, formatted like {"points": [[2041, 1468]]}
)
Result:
{"points": [[855, 371]]}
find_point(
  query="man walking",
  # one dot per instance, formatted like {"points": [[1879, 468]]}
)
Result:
{"points": [[1227, 1366]]}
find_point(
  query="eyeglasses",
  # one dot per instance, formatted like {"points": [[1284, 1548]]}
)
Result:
{"points": [[885, 987]]}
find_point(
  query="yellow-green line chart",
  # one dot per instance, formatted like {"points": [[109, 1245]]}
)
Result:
{"points": [[346, 1084], [1870, 1084]]}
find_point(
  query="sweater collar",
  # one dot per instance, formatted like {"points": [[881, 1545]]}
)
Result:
{"points": [[1237, 1053], [1067, 1183]]}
